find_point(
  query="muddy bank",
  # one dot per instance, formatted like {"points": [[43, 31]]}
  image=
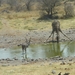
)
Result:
{"points": [[16, 62], [18, 37]]}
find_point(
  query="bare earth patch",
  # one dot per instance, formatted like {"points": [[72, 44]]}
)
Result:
{"points": [[10, 37]]}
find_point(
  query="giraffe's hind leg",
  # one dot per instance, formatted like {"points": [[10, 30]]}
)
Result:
{"points": [[53, 37], [58, 36]]}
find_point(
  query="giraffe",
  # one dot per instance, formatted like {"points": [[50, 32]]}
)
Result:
{"points": [[56, 28]]}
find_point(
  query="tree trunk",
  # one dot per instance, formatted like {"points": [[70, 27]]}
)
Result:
{"points": [[0, 3], [48, 13], [51, 12]]}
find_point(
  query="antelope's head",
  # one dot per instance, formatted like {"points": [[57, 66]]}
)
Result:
{"points": [[28, 41]]}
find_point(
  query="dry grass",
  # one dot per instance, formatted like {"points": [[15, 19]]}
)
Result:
{"points": [[34, 24], [42, 68], [30, 24], [28, 20], [67, 23], [16, 15], [0, 25]]}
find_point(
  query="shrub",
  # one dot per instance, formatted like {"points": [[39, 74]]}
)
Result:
{"points": [[69, 10]]}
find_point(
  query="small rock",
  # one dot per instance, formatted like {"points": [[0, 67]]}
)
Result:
{"points": [[66, 74], [53, 72], [70, 60], [8, 59], [59, 73], [4, 65], [15, 58], [61, 58], [63, 63], [32, 59], [50, 63]]}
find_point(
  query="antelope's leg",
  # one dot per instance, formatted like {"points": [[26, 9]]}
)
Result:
{"points": [[22, 50], [25, 50], [25, 54]]}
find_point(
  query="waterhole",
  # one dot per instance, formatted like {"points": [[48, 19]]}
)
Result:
{"points": [[36, 51]]}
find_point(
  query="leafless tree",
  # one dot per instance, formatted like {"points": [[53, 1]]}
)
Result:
{"points": [[12, 3], [18, 6], [28, 4], [48, 6], [69, 9], [0, 2]]}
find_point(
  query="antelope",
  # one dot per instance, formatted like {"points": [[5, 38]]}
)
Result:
{"points": [[56, 28], [25, 46]]}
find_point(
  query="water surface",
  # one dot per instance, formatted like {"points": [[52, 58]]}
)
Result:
{"points": [[63, 49]]}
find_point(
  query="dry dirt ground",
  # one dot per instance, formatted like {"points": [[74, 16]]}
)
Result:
{"points": [[10, 37], [14, 38]]}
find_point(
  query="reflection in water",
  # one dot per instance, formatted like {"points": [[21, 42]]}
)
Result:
{"points": [[70, 50], [58, 49], [63, 49], [24, 55]]}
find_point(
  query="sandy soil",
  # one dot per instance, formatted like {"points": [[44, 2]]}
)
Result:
{"points": [[14, 38], [56, 59], [10, 38]]}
